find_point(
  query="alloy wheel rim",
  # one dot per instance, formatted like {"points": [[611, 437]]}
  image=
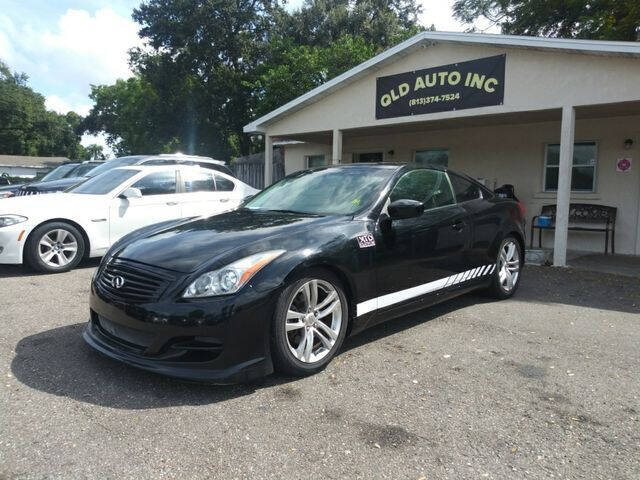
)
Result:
{"points": [[314, 319], [509, 266], [58, 248]]}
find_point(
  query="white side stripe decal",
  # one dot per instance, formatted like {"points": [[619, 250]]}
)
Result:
{"points": [[402, 295]]}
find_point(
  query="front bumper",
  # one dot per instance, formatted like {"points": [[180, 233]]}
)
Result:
{"points": [[224, 340], [10, 247]]}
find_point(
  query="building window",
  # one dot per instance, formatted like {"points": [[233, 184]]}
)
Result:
{"points": [[369, 157], [435, 157], [583, 172], [315, 161]]}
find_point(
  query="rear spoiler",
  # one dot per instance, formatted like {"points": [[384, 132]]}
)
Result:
{"points": [[506, 191]]}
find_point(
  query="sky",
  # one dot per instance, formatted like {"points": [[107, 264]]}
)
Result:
{"points": [[64, 46]]}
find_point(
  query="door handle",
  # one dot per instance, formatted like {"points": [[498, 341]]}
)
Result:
{"points": [[458, 225], [172, 203], [224, 200]]}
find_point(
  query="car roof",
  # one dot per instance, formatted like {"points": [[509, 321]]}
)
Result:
{"points": [[173, 156], [160, 168]]}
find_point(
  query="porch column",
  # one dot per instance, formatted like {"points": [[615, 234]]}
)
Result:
{"points": [[567, 134], [337, 147], [268, 161]]}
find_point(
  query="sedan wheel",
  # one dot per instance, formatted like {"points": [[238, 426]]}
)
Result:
{"points": [[54, 247], [310, 323], [58, 248]]}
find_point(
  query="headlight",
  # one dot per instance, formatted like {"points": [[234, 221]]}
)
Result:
{"points": [[6, 220], [231, 278]]}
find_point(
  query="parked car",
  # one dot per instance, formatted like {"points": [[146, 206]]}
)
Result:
{"points": [[8, 190], [53, 233], [63, 184], [282, 280]]}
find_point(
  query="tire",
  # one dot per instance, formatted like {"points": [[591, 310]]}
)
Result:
{"points": [[501, 286], [326, 331], [60, 241]]}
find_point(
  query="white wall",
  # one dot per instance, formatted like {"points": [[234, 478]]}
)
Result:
{"points": [[515, 154]]}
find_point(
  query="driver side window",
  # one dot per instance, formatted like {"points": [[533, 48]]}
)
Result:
{"points": [[430, 187], [157, 183]]}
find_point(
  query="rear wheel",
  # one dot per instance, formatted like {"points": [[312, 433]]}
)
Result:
{"points": [[506, 278], [310, 324], [54, 247]]}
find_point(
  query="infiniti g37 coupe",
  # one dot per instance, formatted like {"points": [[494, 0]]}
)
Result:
{"points": [[279, 282]]}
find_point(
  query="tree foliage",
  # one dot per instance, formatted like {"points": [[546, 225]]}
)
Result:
{"points": [[27, 127], [590, 19], [211, 66]]}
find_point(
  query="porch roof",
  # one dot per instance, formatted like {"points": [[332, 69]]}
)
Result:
{"points": [[593, 47]]}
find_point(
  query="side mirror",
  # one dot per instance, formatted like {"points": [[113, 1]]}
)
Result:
{"points": [[131, 193], [405, 209]]}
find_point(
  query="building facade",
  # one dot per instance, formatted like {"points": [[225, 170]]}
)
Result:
{"points": [[558, 119]]}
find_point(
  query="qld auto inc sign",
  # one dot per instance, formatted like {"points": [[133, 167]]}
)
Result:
{"points": [[473, 84]]}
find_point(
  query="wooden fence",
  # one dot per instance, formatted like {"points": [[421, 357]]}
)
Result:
{"points": [[250, 169]]}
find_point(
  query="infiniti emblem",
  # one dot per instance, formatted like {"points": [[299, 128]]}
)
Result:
{"points": [[117, 282]]}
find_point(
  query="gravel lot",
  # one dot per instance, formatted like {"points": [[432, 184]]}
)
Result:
{"points": [[546, 385]]}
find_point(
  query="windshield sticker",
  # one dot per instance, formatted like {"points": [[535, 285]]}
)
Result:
{"points": [[366, 240]]}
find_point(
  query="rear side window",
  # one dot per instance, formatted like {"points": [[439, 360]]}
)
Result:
{"points": [[217, 167], [157, 183], [198, 182], [464, 189], [224, 184], [427, 186], [159, 161]]}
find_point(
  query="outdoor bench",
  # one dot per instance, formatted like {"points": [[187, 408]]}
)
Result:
{"points": [[583, 217]]}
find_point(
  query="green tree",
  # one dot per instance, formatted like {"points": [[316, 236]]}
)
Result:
{"points": [[27, 127], [590, 19], [213, 66], [94, 152]]}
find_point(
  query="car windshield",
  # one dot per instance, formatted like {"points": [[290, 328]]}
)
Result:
{"points": [[103, 184], [59, 172], [82, 170], [115, 163], [326, 191]]}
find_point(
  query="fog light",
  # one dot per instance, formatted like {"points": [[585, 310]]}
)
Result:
{"points": [[1, 249]]}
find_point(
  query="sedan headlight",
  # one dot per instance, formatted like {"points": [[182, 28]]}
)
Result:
{"points": [[6, 220], [231, 278]]}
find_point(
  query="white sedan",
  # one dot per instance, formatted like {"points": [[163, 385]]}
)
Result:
{"points": [[52, 233]]}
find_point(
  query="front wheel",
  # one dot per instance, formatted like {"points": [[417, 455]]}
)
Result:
{"points": [[54, 247], [506, 278], [310, 324]]}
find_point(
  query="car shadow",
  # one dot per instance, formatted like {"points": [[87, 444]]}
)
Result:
{"points": [[10, 271], [58, 362]]}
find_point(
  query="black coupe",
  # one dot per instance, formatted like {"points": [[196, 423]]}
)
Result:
{"points": [[281, 281]]}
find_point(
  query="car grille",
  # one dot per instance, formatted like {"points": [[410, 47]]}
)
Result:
{"points": [[22, 193], [133, 282]]}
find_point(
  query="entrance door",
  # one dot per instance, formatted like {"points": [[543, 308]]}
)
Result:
{"points": [[159, 202], [414, 255]]}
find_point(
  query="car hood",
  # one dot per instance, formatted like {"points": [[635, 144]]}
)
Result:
{"points": [[55, 185], [38, 205], [191, 245], [13, 186]]}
